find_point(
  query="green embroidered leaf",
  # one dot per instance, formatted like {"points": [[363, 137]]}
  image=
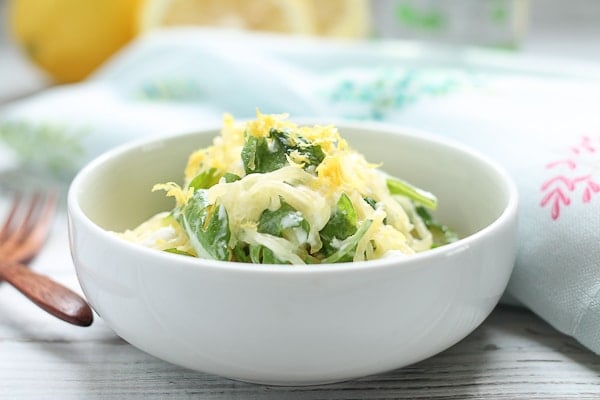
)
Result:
{"points": [[172, 89], [56, 148], [415, 17], [383, 90]]}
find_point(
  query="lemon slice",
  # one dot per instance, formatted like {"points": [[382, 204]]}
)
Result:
{"points": [[264, 15], [340, 18]]}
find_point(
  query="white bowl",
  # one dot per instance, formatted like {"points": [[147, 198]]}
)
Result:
{"points": [[294, 325]]}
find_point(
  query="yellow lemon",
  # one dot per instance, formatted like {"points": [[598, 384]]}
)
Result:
{"points": [[70, 38], [337, 18]]}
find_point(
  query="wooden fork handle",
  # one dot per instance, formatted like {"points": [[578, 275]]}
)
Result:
{"points": [[49, 295]]}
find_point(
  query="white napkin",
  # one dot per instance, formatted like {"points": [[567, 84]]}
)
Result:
{"points": [[538, 118]]}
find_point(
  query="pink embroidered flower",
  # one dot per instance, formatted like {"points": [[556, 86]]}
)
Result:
{"points": [[573, 177]]}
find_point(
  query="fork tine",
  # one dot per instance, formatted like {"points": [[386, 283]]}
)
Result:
{"points": [[38, 231], [5, 230], [19, 232], [29, 236]]}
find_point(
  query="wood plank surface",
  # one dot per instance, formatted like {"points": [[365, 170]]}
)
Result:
{"points": [[513, 355]]}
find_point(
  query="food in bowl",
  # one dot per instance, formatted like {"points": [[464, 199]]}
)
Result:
{"points": [[304, 324], [269, 191]]}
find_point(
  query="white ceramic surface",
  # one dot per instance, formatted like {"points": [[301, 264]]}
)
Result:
{"points": [[295, 325]]}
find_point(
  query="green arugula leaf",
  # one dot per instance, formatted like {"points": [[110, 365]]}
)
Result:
{"points": [[266, 154], [312, 152], [229, 177], [176, 251], [370, 201], [205, 179], [268, 257], [261, 155], [345, 250], [260, 254], [263, 255], [207, 226], [398, 186], [441, 233], [280, 221], [241, 252], [255, 253], [341, 225]]}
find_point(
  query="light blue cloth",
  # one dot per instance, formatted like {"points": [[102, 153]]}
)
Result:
{"points": [[539, 119]]}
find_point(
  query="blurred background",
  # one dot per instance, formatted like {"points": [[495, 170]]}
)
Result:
{"points": [[60, 41]]}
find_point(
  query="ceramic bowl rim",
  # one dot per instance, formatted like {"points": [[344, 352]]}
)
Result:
{"points": [[507, 215]]}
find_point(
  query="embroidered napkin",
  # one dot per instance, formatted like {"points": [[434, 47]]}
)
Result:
{"points": [[539, 119]]}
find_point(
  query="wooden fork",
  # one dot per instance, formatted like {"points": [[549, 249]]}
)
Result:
{"points": [[22, 235]]}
